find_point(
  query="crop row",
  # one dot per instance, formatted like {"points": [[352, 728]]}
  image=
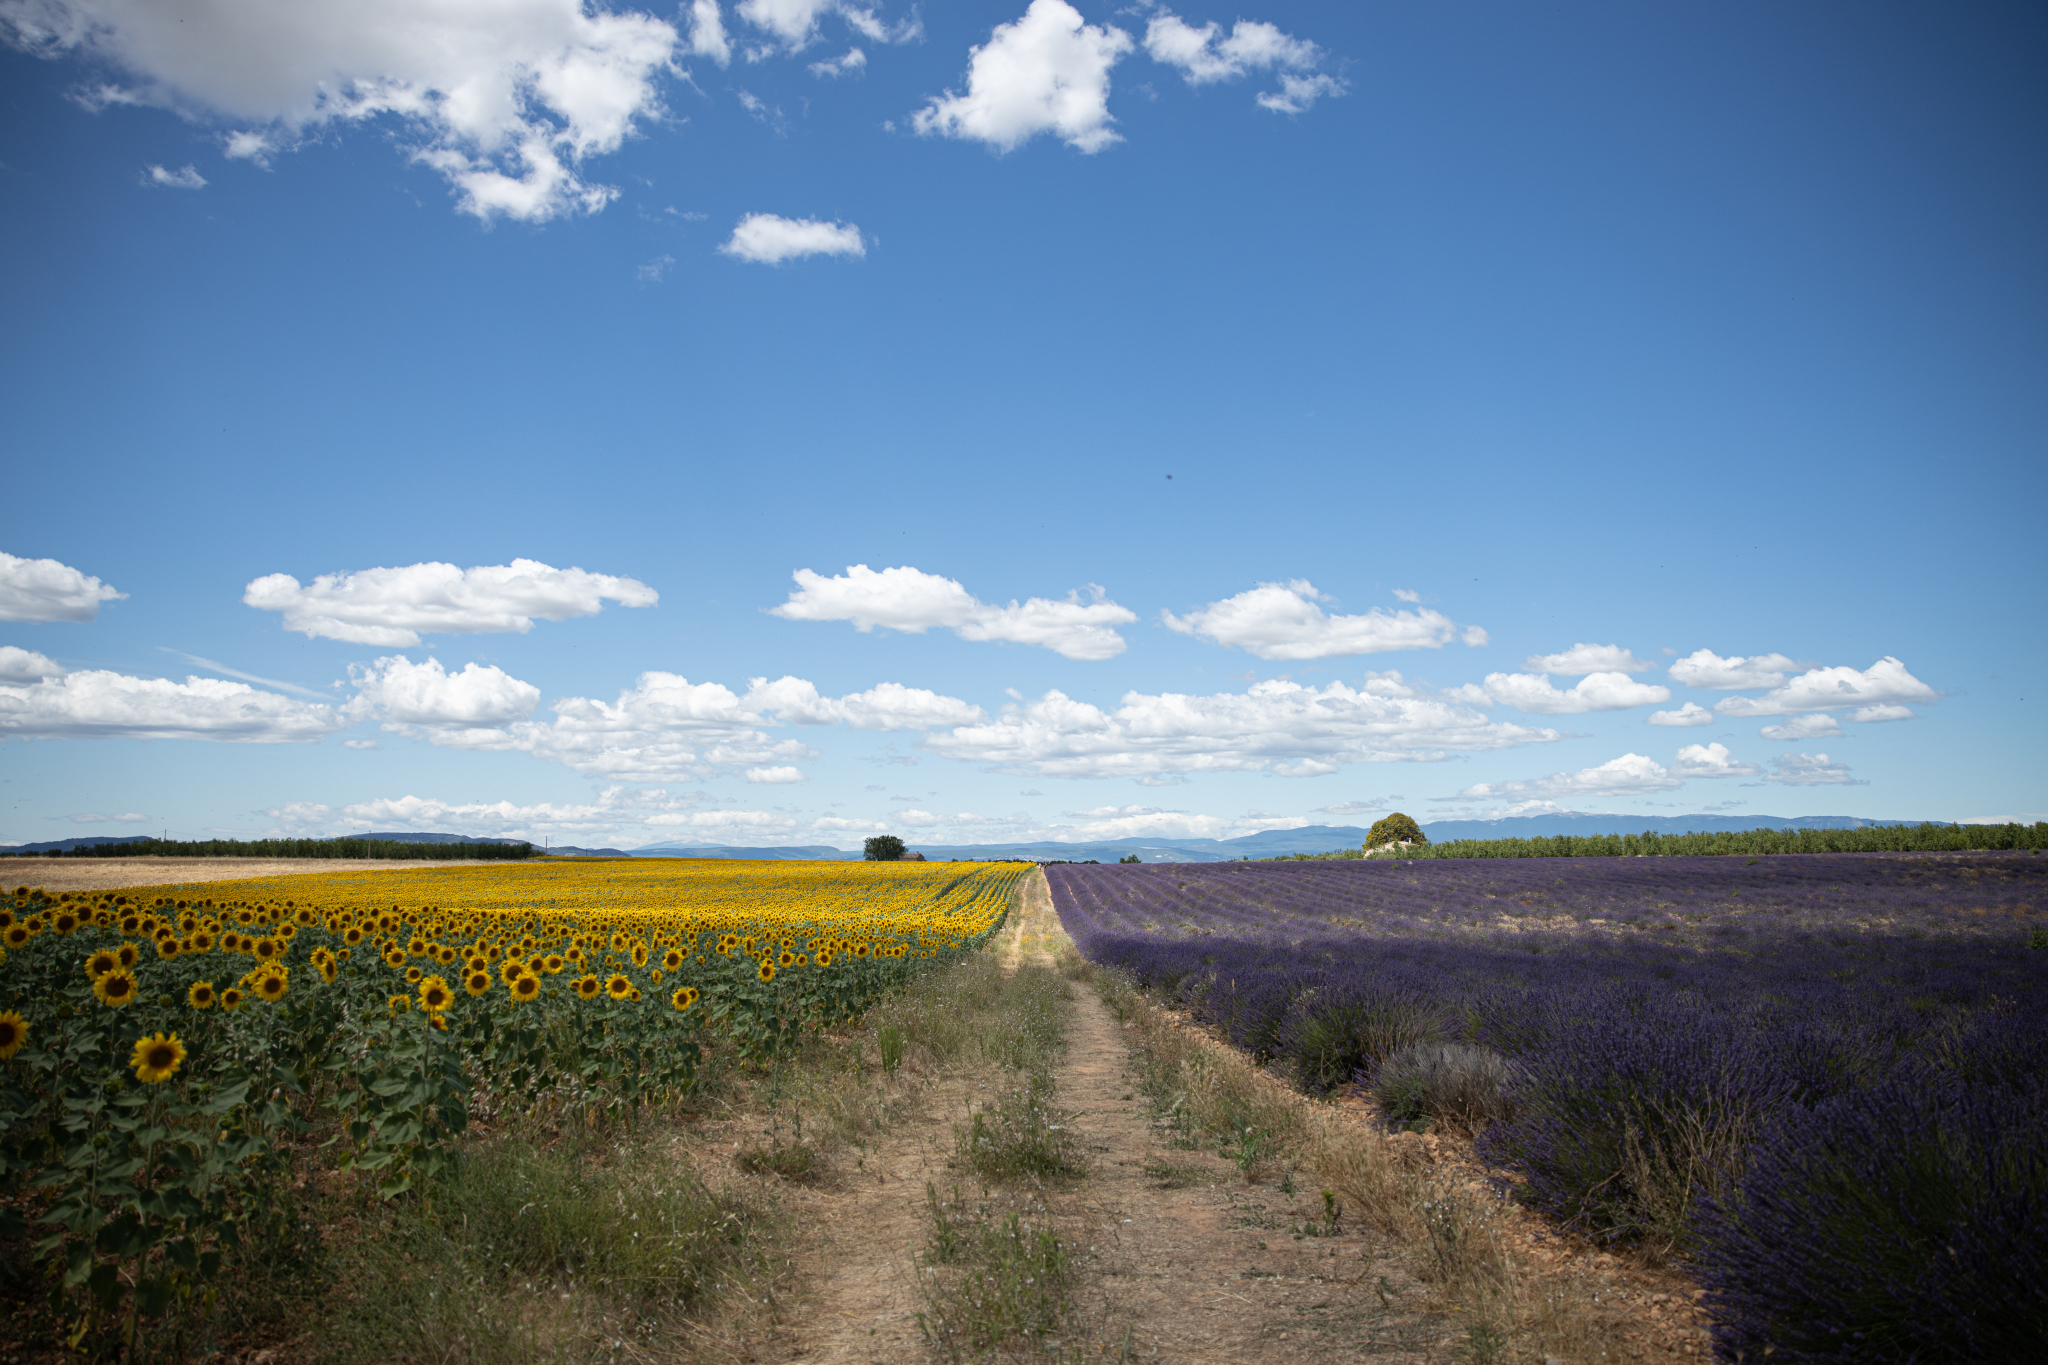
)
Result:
{"points": [[1821, 1079], [160, 1055]]}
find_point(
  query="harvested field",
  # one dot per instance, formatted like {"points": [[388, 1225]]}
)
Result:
{"points": [[57, 875]]}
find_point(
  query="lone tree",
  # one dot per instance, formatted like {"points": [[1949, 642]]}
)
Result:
{"points": [[1396, 828], [883, 848]]}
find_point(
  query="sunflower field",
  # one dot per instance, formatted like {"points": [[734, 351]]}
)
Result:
{"points": [[164, 1052]]}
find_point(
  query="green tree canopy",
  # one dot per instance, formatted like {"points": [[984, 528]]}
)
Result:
{"points": [[1393, 829], [883, 848]]}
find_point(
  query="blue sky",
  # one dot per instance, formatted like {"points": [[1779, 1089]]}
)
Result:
{"points": [[1471, 409]]}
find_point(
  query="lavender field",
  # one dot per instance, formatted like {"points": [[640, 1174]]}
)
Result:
{"points": [[1822, 1080]]}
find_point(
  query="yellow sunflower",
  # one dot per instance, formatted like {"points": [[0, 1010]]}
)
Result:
{"points": [[118, 987], [588, 987], [672, 959], [619, 987], [157, 1059], [13, 1033], [129, 955], [767, 969], [64, 923], [553, 963], [435, 995], [231, 998], [684, 997], [201, 996], [413, 975], [399, 1004], [785, 958], [639, 955], [271, 986], [526, 988], [511, 969], [167, 949], [99, 964]]}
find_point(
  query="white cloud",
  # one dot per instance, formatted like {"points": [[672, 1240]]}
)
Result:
{"points": [[1629, 775], [1284, 621], [795, 22], [727, 821], [656, 270], [1710, 760], [392, 607], [1583, 658], [1206, 55], [1814, 726], [1873, 714], [26, 666], [1811, 770], [775, 775], [913, 601], [212, 667], [1885, 682], [1475, 636], [185, 178], [1276, 726], [838, 824], [96, 704], [886, 706], [45, 590], [707, 32], [359, 744], [459, 710], [1594, 692], [615, 810], [1047, 72], [852, 64], [1407, 595], [1692, 713], [662, 728], [127, 818], [1353, 808], [1298, 94], [506, 98], [1705, 669], [768, 239]]}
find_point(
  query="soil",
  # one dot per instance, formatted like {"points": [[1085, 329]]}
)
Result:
{"points": [[112, 874]]}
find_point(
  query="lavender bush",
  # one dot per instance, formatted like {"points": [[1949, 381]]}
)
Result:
{"points": [[1666, 1024]]}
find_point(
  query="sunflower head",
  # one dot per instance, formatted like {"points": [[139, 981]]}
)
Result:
{"points": [[639, 955], [435, 994], [767, 969], [511, 969], [13, 1033], [526, 988], [231, 998], [156, 1059], [399, 1004], [168, 948], [684, 997], [65, 922], [117, 988], [200, 996], [553, 963], [16, 935], [619, 987], [477, 982], [588, 986], [785, 958], [129, 955], [100, 963]]}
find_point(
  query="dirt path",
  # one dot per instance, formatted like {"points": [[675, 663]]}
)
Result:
{"points": [[1193, 1262]]}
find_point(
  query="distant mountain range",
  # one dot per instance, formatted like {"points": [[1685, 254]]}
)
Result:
{"points": [[1267, 844]]}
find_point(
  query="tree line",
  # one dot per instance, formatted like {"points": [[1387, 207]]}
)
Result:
{"points": [[1922, 838]]}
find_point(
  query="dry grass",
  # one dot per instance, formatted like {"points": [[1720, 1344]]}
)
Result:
{"points": [[1471, 1246], [111, 874]]}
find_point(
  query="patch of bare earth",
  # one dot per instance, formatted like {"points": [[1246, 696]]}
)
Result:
{"points": [[112, 874]]}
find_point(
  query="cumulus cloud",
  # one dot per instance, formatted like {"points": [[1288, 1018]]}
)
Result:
{"points": [[1594, 692], [776, 775], [768, 239], [727, 822], [392, 607], [707, 32], [886, 706], [1692, 713], [1206, 55], [1872, 714], [460, 710], [913, 601], [1884, 683], [1815, 726], [1047, 72], [1811, 770], [507, 99], [1707, 670], [45, 590], [97, 704], [1354, 807], [1277, 726], [126, 818], [26, 666], [186, 178], [1710, 760], [1582, 658], [1629, 775], [852, 64], [796, 22], [1286, 621], [616, 809]]}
